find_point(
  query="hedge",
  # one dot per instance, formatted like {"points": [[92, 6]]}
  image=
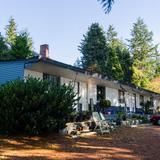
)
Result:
{"points": [[34, 106]]}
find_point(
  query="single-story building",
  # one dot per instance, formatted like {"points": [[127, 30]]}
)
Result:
{"points": [[89, 86]]}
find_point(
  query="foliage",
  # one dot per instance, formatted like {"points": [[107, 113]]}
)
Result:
{"points": [[93, 48], [80, 116], [147, 107], [137, 63], [34, 106], [112, 68], [154, 84], [121, 115], [104, 104], [143, 54], [107, 5], [15, 45], [22, 47], [3, 47], [136, 116], [106, 55], [125, 61], [142, 118], [118, 59], [11, 31]]}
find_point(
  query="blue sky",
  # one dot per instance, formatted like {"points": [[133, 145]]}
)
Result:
{"points": [[61, 24]]}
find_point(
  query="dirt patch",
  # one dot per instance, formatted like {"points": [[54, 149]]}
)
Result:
{"points": [[140, 143]]}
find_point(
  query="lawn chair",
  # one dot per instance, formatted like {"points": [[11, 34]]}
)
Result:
{"points": [[111, 124], [101, 125]]}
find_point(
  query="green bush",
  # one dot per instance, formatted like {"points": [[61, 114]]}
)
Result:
{"points": [[135, 116], [104, 103], [34, 106], [80, 116], [121, 115], [144, 118], [147, 107]]}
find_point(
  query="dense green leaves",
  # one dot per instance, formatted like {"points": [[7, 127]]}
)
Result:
{"points": [[143, 54], [104, 104], [3, 48], [15, 45], [113, 66], [105, 53], [34, 106], [22, 47], [11, 31], [137, 62], [93, 48]]}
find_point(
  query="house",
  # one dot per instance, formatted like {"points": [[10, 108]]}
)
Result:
{"points": [[89, 86]]}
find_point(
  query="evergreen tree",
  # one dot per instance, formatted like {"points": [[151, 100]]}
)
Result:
{"points": [[143, 52], [3, 48], [22, 48], [11, 31], [111, 36], [115, 63], [157, 63], [93, 48], [112, 67], [125, 61]]}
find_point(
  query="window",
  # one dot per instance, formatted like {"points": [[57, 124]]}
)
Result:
{"points": [[141, 100], [51, 78], [121, 96], [100, 93]]}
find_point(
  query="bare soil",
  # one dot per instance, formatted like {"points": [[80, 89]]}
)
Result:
{"points": [[141, 143]]}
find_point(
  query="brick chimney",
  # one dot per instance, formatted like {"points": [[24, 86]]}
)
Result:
{"points": [[44, 51]]}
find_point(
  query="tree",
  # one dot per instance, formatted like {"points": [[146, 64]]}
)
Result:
{"points": [[11, 31], [143, 52], [125, 61], [113, 67], [154, 84], [3, 48], [22, 47], [157, 62], [104, 54], [106, 5], [93, 48]]}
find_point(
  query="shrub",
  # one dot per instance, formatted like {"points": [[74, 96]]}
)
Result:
{"points": [[148, 107], [81, 116], [34, 106], [104, 103], [121, 115]]}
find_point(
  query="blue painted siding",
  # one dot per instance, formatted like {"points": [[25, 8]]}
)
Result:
{"points": [[11, 70]]}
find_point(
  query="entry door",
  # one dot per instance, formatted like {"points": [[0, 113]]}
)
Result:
{"points": [[101, 93]]}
